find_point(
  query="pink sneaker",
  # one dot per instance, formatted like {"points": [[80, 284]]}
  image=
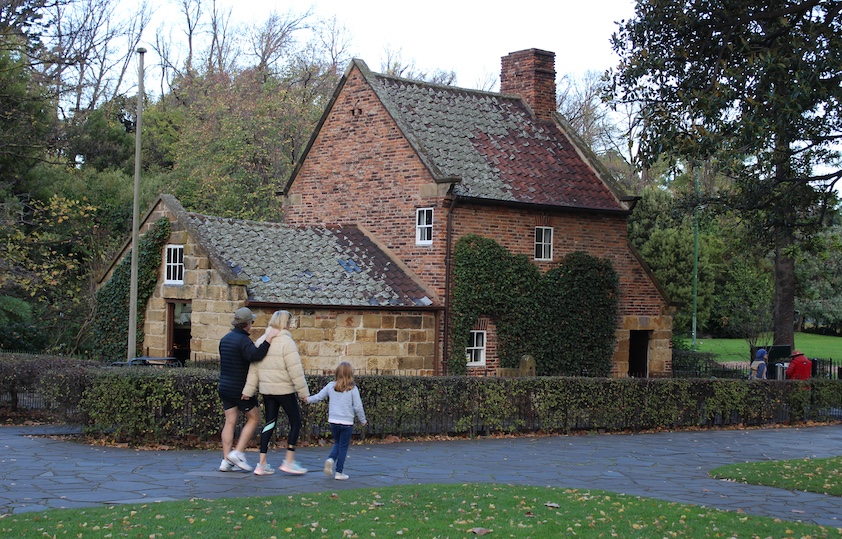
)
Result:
{"points": [[263, 469]]}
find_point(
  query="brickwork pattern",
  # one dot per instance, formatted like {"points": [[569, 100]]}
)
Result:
{"points": [[361, 169]]}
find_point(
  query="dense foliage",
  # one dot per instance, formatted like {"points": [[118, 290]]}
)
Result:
{"points": [[222, 133], [565, 319], [754, 87], [180, 406], [112, 300]]}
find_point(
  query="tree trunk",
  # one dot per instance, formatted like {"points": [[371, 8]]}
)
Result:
{"points": [[784, 309]]}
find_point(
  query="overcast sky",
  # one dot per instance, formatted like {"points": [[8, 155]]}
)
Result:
{"points": [[466, 36]]}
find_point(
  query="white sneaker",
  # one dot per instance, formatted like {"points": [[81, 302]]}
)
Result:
{"points": [[340, 476], [226, 466], [329, 467], [238, 459]]}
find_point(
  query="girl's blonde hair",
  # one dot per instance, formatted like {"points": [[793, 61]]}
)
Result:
{"points": [[344, 377], [280, 319]]}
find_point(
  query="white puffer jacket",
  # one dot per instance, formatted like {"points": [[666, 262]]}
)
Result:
{"points": [[280, 372]]}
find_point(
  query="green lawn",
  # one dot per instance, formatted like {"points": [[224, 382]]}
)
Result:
{"points": [[812, 475], [812, 345], [451, 511]]}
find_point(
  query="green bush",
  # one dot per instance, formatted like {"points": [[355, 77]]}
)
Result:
{"points": [[50, 376], [142, 404], [180, 406]]}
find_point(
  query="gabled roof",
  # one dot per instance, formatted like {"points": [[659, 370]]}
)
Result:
{"points": [[314, 265], [491, 145]]}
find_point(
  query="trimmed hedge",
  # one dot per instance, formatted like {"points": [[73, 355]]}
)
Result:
{"points": [[145, 404]]}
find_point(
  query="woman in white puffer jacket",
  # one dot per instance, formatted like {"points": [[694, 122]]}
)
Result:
{"points": [[280, 379]]}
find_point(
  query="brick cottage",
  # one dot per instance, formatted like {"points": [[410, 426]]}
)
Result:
{"points": [[406, 168]]}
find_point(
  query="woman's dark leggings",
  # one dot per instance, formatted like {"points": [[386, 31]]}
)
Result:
{"points": [[271, 405]]}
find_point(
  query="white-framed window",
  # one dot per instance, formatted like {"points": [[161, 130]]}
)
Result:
{"points": [[174, 265], [475, 352], [543, 243], [424, 226]]}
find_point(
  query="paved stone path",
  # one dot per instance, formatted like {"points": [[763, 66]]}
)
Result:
{"points": [[40, 473]]}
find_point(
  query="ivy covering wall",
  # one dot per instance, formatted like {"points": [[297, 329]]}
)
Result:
{"points": [[566, 319], [111, 328]]}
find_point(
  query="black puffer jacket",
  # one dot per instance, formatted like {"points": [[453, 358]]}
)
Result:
{"points": [[236, 352]]}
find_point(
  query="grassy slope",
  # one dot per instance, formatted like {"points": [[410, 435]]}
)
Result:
{"points": [[820, 346]]}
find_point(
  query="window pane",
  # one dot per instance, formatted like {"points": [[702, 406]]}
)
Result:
{"points": [[424, 226], [174, 266], [543, 243]]}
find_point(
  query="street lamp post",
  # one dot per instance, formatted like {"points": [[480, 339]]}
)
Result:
{"points": [[132, 347]]}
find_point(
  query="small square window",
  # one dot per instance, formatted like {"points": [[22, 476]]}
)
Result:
{"points": [[174, 265], [475, 352], [424, 226], [543, 243]]}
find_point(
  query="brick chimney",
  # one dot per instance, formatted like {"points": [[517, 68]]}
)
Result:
{"points": [[531, 75]]}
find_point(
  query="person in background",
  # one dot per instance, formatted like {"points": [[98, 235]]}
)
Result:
{"points": [[758, 366], [344, 404], [800, 368], [278, 378], [236, 352]]}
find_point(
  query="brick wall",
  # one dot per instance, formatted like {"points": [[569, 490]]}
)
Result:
{"points": [[641, 307], [602, 236], [361, 170]]}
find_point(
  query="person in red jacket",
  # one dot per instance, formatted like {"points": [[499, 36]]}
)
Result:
{"points": [[800, 368]]}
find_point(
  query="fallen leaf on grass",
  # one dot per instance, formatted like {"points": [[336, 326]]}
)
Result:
{"points": [[551, 504], [480, 531]]}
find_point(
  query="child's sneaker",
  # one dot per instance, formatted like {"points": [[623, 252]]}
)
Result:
{"points": [[263, 469], [340, 476], [226, 466], [293, 468], [329, 467]]}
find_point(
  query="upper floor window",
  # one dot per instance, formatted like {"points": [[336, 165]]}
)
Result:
{"points": [[424, 226], [543, 243], [174, 265], [475, 352]]}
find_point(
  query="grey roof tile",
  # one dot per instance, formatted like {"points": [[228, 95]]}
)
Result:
{"points": [[308, 265]]}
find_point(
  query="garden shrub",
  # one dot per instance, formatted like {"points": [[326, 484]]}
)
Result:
{"points": [[180, 407]]}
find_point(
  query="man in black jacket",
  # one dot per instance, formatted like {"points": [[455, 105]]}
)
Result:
{"points": [[236, 352]]}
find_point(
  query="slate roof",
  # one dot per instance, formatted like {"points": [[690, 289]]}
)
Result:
{"points": [[316, 265], [492, 144]]}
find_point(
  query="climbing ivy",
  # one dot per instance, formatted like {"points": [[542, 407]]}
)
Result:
{"points": [[492, 282], [112, 300], [565, 319], [577, 302]]}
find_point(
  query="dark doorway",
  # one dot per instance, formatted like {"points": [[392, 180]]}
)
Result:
{"points": [[178, 330], [639, 353]]}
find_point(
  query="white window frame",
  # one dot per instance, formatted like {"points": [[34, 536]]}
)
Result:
{"points": [[424, 226], [174, 264], [475, 351], [543, 245]]}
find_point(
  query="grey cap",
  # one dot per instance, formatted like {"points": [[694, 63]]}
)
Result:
{"points": [[242, 316]]}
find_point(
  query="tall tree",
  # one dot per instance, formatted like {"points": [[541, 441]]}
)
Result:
{"points": [[757, 79]]}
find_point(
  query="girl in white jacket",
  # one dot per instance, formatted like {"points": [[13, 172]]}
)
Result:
{"points": [[278, 377]]}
